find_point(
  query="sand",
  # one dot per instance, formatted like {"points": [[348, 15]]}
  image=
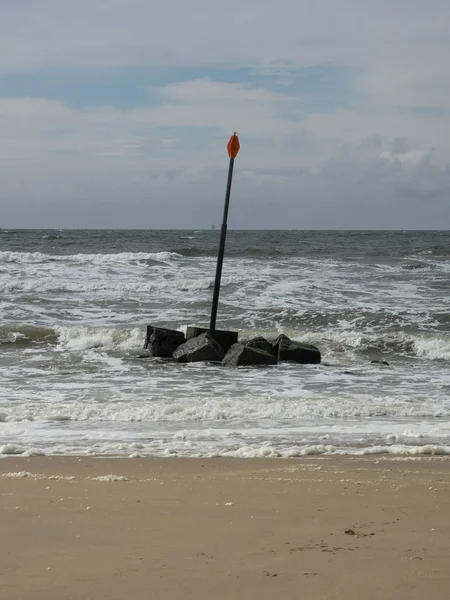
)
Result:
{"points": [[312, 528]]}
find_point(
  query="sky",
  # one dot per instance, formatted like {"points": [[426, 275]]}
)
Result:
{"points": [[117, 113]]}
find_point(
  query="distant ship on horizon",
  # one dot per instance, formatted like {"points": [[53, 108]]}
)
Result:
{"points": [[213, 227]]}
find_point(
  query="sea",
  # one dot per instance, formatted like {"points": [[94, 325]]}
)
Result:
{"points": [[74, 379]]}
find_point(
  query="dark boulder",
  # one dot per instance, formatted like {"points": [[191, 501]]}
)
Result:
{"points": [[162, 342], [261, 343], [200, 348], [224, 338], [279, 339], [243, 355], [290, 351]]}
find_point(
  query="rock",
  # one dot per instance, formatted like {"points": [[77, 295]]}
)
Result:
{"points": [[290, 351], [239, 355], [224, 338], [261, 343], [200, 348], [379, 362], [276, 343], [162, 342]]}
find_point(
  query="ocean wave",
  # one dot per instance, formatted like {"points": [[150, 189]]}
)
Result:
{"points": [[83, 337], [434, 347], [256, 450], [269, 451], [404, 450], [154, 402], [418, 266], [117, 288], [24, 257], [17, 450], [428, 346], [74, 337], [120, 257], [27, 334]]}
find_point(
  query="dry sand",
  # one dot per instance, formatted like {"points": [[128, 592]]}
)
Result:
{"points": [[312, 528]]}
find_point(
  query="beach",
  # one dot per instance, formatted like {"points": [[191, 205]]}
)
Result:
{"points": [[317, 527]]}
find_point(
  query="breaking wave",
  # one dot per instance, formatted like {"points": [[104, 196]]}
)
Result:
{"points": [[137, 449], [74, 337], [120, 257], [79, 337], [427, 346]]}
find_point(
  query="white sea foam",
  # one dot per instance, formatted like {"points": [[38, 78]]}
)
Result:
{"points": [[12, 449], [427, 450], [120, 257], [189, 410], [23, 257], [83, 337], [246, 451], [109, 478], [29, 475], [433, 347], [19, 475]]}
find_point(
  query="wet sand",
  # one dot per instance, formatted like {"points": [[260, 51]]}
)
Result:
{"points": [[311, 528]]}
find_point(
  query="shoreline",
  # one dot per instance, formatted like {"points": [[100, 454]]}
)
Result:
{"points": [[313, 527], [380, 451]]}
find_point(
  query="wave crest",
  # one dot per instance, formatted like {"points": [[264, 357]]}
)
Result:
{"points": [[120, 257]]}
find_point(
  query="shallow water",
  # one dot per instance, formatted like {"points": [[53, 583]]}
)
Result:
{"points": [[75, 305]]}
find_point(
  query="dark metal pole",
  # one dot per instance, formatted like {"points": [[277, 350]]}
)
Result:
{"points": [[223, 235]]}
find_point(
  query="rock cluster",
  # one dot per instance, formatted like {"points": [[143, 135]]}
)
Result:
{"points": [[204, 345]]}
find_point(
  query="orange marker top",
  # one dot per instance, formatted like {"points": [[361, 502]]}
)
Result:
{"points": [[233, 146]]}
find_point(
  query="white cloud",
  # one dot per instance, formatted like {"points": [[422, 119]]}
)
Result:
{"points": [[393, 41], [355, 165], [109, 167]]}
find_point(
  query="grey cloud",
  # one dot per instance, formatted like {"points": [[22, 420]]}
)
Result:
{"points": [[346, 192], [381, 163]]}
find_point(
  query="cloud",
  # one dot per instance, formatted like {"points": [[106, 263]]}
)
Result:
{"points": [[367, 147], [105, 167]]}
